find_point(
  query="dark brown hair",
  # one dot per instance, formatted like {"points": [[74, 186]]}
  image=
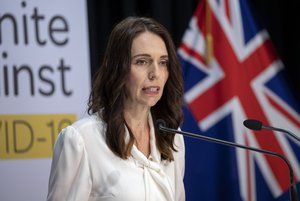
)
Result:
{"points": [[109, 92]]}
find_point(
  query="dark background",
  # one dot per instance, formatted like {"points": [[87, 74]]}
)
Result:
{"points": [[280, 18]]}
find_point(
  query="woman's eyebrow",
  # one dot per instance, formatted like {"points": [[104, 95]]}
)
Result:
{"points": [[147, 55], [139, 55]]}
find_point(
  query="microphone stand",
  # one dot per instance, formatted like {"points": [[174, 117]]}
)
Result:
{"points": [[254, 124], [293, 189], [281, 130]]}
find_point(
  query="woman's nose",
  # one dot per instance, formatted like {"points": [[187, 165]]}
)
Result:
{"points": [[151, 75], [154, 71]]}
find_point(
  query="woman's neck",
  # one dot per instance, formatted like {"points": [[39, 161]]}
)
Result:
{"points": [[138, 124]]}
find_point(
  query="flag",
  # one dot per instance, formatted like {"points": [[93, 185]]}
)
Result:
{"points": [[232, 73]]}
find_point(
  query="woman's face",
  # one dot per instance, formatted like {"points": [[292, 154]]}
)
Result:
{"points": [[149, 70]]}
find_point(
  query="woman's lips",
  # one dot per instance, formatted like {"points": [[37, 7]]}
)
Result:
{"points": [[151, 89]]}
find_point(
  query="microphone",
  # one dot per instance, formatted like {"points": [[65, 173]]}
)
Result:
{"points": [[161, 125], [258, 125]]}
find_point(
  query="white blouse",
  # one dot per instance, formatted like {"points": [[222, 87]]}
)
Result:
{"points": [[85, 169]]}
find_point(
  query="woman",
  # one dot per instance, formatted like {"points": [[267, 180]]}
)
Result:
{"points": [[117, 153]]}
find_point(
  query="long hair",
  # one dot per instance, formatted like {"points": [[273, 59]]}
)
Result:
{"points": [[109, 92]]}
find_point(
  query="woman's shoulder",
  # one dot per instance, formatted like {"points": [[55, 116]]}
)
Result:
{"points": [[86, 125], [86, 121]]}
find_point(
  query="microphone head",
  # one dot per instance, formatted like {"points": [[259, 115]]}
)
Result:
{"points": [[160, 123], [253, 124]]}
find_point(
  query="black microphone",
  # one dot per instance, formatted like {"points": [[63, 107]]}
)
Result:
{"points": [[161, 125], [258, 125]]}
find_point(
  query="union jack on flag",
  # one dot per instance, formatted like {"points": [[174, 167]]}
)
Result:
{"points": [[232, 73]]}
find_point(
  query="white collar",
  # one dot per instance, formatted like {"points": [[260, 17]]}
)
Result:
{"points": [[157, 184]]}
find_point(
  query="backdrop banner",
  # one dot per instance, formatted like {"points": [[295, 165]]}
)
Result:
{"points": [[44, 86]]}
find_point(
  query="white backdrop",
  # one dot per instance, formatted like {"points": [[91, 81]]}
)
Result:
{"points": [[44, 86]]}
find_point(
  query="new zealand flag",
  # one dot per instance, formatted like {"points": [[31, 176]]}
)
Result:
{"points": [[232, 73]]}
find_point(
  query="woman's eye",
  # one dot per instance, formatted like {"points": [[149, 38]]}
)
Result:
{"points": [[141, 62], [164, 63]]}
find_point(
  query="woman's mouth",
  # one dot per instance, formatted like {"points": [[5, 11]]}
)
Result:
{"points": [[152, 89]]}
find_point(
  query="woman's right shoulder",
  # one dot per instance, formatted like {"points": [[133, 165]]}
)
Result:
{"points": [[87, 125], [87, 121]]}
